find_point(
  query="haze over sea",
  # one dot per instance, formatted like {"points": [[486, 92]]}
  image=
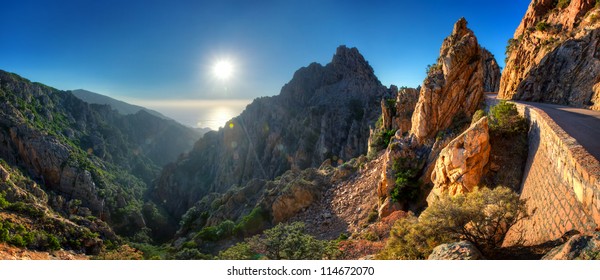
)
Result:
{"points": [[197, 113]]}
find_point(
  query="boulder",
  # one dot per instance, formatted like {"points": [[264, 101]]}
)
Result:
{"points": [[578, 247], [460, 165], [463, 250]]}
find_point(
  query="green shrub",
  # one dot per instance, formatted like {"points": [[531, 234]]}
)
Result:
{"points": [[478, 115], [208, 234], [252, 223], [4, 237], [541, 26], [411, 240], [284, 241], [17, 240], [53, 242], [225, 228], [191, 254], [406, 187], [482, 217], [432, 68], [289, 242], [505, 119], [382, 139], [239, 251], [3, 202]]}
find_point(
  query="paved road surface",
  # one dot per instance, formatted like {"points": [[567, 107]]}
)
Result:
{"points": [[581, 124]]}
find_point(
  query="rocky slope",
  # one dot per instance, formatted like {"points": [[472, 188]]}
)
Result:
{"points": [[84, 153], [554, 55], [121, 107], [324, 112]]}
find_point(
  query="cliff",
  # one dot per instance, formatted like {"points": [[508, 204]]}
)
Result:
{"points": [[453, 87], [554, 56], [324, 112]]}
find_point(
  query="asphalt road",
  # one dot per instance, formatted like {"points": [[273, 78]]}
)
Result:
{"points": [[581, 124]]}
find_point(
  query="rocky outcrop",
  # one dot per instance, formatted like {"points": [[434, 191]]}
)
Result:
{"points": [[460, 165], [404, 157], [397, 111], [491, 72], [324, 112], [463, 250], [554, 55], [578, 247], [453, 87]]}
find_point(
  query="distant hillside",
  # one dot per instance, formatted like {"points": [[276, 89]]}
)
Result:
{"points": [[121, 107], [86, 158]]}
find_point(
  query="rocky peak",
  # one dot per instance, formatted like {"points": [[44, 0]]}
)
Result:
{"points": [[453, 87], [460, 28], [324, 112], [348, 62]]}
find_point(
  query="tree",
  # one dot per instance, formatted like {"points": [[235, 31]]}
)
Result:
{"points": [[482, 217]]}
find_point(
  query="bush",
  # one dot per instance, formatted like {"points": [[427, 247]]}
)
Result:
{"points": [[505, 119], [482, 217], [411, 240], [541, 26], [478, 115], [3, 202], [252, 223], [53, 242], [240, 251], [406, 187], [191, 254], [382, 138], [283, 242]]}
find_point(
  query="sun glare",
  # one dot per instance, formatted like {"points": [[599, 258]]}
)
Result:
{"points": [[223, 69]]}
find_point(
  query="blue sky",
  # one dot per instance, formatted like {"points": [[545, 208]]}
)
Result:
{"points": [[156, 50]]}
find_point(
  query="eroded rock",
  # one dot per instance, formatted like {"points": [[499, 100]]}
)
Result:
{"points": [[460, 165]]}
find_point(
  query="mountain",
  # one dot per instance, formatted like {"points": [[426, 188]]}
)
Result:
{"points": [[122, 107], [324, 112], [87, 154], [554, 56]]}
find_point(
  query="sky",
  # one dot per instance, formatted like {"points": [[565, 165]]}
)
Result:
{"points": [[162, 54]]}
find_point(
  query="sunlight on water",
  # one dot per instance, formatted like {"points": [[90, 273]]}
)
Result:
{"points": [[197, 113]]}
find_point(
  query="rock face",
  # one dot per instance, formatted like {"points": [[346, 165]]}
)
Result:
{"points": [[324, 112], [454, 85], [554, 56], [463, 250], [460, 165], [491, 72], [403, 154], [578, 247], [397, 111]]}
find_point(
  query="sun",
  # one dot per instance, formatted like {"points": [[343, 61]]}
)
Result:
{"points": [[223, 69]]}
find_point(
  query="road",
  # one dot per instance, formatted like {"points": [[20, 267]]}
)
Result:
{"points": [[581, 124]]}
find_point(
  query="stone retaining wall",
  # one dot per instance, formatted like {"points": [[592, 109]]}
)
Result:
{"points": [[561, 183]]}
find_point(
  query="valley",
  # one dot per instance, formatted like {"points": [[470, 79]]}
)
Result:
{"points": [[335, 166]]}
